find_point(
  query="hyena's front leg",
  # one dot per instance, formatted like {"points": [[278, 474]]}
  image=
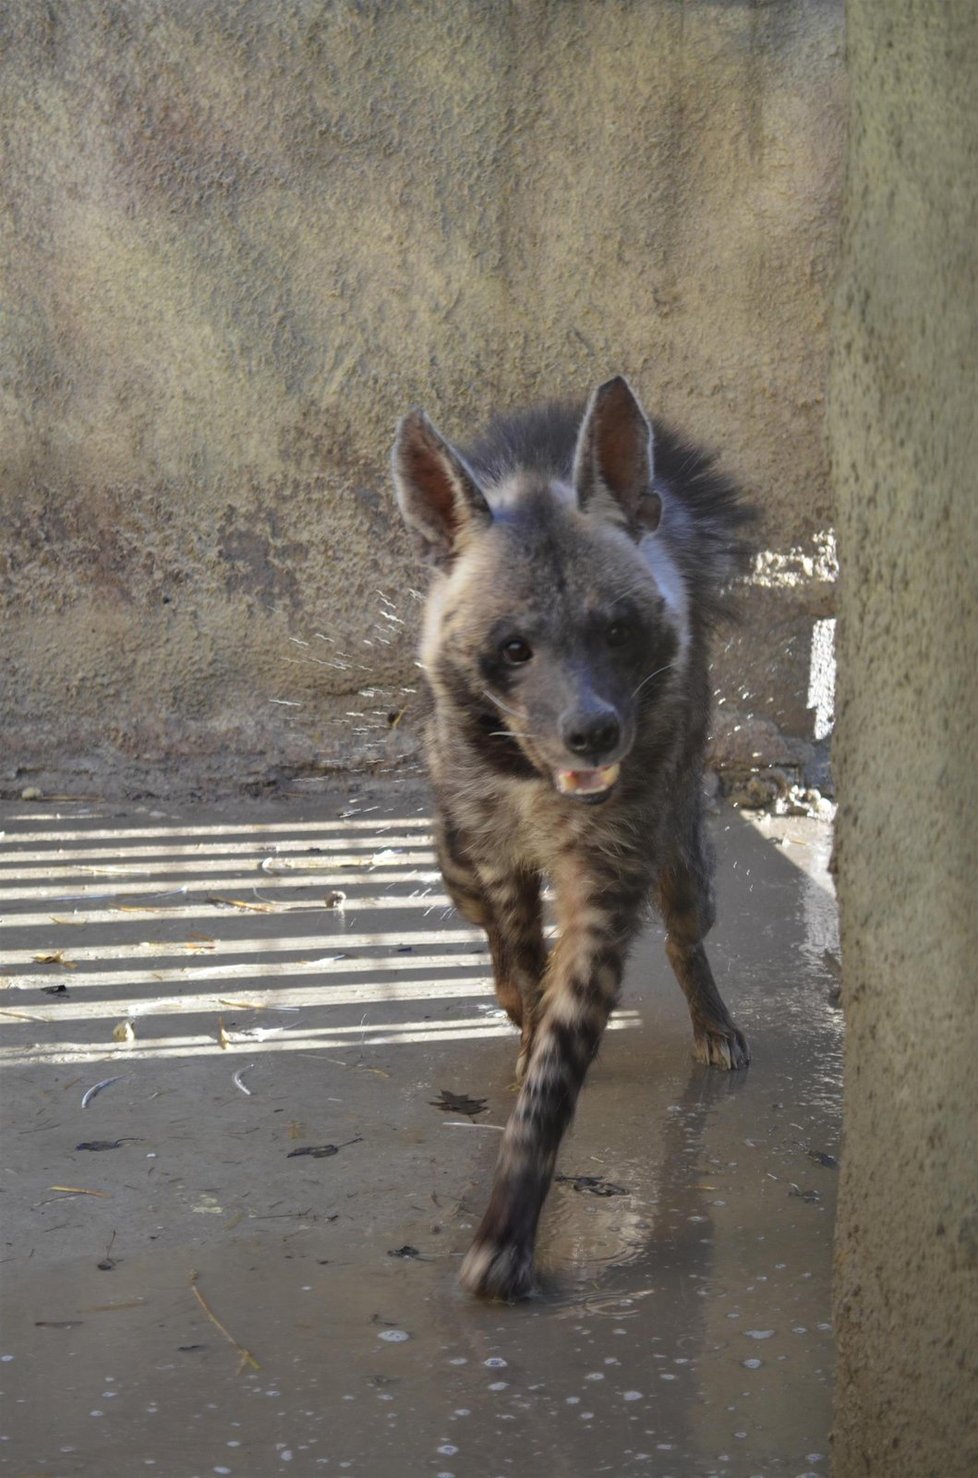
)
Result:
{"points": [[507, 906], [581, 987], [686, 902], [519, 955]]}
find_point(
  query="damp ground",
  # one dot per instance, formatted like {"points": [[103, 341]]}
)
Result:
{"points": [[239, 1256]]}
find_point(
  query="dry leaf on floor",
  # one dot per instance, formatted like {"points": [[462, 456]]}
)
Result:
{"points": [[459, 1103], [55, 957]]}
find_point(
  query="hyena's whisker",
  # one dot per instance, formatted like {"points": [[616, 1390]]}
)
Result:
{"points": [[500, 704], [507, 835], [631, 589], [651, 675]]}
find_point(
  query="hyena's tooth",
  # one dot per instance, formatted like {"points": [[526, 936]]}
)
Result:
{"points": [[587, 782]]}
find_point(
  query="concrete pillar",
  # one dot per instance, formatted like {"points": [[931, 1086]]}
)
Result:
{"points": [[903, 420]]}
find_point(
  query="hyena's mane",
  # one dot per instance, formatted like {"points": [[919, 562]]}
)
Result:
{"points": [[706, 521], [540, 440]]}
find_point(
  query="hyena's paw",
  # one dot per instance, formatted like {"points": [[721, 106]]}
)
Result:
{"points": [[721, 1046], [501, 1271]]}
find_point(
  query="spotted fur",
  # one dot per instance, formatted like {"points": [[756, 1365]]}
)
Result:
{"points": [[565, 648]]}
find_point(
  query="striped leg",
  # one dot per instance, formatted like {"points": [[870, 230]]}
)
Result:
{"points": [[580, 990], [507, 906], [461, 879], [685, 899], [519, 955]]}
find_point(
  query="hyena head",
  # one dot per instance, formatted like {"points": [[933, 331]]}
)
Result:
{"points": [[548, 638]]}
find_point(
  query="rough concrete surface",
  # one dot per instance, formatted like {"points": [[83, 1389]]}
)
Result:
{"points": [[241, 239], [904, 426], [683, 1330]]}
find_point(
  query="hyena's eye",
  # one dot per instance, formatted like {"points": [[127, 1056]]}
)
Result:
{"points": [[516, 650], [618, 633]]}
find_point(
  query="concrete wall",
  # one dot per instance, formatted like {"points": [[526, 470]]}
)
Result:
{"points": [[904, 422], [243, 237]]}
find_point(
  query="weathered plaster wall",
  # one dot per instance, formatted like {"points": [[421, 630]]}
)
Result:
{"points": [[241, 238], [904, 422]]}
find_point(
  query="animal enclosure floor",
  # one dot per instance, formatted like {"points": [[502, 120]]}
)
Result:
{"points": [[239, 1256]]}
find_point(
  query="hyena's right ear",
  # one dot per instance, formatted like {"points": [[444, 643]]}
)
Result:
{"points": [[437, 493], [613, 459]]}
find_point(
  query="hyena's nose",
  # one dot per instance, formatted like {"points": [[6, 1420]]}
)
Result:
{"points": [[592, 735]]}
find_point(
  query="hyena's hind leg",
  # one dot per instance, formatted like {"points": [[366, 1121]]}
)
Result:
{"points": [[685, 898], [508, 907]]}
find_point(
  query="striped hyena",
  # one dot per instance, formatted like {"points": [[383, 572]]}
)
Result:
{"points": [[565, 648]]}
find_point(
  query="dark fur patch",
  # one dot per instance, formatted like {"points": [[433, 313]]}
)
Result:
{"points": [[484, 728]]}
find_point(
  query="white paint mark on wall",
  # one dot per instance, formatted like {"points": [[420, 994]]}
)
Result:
{"points": [[821, 677]]}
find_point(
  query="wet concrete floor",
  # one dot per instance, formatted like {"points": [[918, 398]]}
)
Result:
{"points": [[202, 1299]]}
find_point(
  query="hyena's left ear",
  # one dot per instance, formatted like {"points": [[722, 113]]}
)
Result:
{"points": [[437, 493], [613, 459]]}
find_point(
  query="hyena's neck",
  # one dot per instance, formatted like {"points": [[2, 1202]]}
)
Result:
{"points": [[511, 814]]}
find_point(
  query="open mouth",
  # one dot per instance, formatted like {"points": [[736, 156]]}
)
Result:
{"points": [[587, 783]]}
